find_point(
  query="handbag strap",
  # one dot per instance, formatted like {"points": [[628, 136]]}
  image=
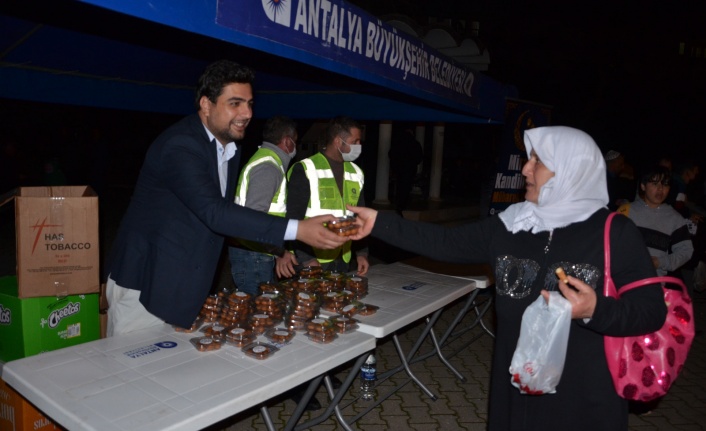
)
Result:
{"points": [[609, 288], [664, 279], [608, 285]]}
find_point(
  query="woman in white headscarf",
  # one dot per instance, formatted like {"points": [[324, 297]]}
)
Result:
{"points": [[560, 224]]}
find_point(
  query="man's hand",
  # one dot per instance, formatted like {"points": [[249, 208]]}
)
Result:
{"points": [[284, 266], [365, 220], [313, 232], [363, 265]]}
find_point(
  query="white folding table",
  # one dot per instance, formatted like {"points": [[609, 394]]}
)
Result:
{"points": [[405, 294], [154, 379]]}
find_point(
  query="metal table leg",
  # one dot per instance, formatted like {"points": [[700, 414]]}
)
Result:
{"points": [[478, 320], [299, 410], [406, 359], [442, 358], [461, 314], [266, 417], [450, 334], [336, 409], [335, 399], [405, 364]]}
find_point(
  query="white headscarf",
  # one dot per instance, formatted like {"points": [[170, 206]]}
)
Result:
{"points": [[577, 189]]}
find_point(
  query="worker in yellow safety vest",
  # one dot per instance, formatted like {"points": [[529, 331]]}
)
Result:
{"points": [[262, 186], [324, 184]]}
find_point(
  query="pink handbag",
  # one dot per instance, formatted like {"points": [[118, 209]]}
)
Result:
{"points": [[644, 367]]}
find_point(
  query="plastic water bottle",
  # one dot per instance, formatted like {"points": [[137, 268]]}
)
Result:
{"points": [[368, 375]]}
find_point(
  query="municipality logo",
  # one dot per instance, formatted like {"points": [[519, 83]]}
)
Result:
{"points": [[148, 350], [413, 286], [279, 11]]}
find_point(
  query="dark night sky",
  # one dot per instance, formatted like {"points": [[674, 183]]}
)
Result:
{"points": [[610, 68], [614, 71]]}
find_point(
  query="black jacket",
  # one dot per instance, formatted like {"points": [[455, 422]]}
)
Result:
{"points": [[171, 237]]}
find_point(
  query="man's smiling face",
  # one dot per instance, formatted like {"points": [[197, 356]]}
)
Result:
{"points": [[230, 115]]}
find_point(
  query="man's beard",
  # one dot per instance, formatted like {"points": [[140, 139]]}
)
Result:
{"points": [[228, 135]]}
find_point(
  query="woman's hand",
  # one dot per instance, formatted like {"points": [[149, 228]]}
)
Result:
{"points": [[581, 296], [365, 220]]}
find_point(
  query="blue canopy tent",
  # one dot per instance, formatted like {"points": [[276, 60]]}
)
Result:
{"points": [[312, 58]]}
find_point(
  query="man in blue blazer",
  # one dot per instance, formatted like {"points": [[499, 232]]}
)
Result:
{"points": [[163, 261]]}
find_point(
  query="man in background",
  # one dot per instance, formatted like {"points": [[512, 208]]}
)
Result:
{"points": [[262, 186], [324, 184], [664, 230]]}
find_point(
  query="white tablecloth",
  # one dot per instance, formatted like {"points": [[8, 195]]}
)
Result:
{"points": [[155, 379]]}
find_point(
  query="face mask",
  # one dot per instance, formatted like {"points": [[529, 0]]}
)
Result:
{"points": [[294, 151], [353, 154]]}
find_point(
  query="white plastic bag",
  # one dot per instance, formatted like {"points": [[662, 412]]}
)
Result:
{"points": [[538, 361]]}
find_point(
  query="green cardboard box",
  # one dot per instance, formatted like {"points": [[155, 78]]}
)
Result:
{"points": [[34, 325]]}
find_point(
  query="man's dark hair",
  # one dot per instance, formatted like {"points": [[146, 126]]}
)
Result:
{"points": [[658, 174], [219, 74], [278, 127], [340, 126]]}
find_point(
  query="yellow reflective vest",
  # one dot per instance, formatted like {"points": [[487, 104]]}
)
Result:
{"points": [[278, 205], [325, 198]]}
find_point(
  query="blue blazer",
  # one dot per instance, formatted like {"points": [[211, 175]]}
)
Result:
{"points": [[171, 237]]}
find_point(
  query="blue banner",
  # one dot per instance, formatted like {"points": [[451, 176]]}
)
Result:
{"points": [[358, 44]]}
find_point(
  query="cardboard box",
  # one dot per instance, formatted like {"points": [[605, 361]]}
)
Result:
{"points": [[17, 414], [34, 325], [57, 240]]}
